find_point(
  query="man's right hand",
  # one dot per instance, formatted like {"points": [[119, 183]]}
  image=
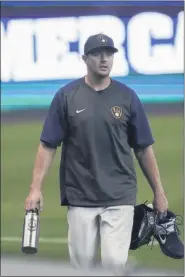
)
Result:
{"points": [[34, 200]]}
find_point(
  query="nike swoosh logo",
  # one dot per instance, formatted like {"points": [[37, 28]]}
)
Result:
{"points": [[162, 240], [79, 111]]}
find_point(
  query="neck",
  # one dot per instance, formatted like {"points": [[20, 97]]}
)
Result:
{"points": [[97, 83]]}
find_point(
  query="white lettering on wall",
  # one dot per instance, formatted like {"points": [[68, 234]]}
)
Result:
{"points": [[39, 49], [159, 58]]}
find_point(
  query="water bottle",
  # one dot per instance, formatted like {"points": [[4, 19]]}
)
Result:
{"points": [[31, 230]]}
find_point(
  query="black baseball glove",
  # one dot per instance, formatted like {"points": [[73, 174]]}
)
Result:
{"points": [[142, 231]]}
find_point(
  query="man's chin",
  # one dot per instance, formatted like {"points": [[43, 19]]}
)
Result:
{"points": [[103, 74]]}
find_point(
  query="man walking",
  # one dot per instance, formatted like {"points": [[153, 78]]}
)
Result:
{"points": [[98, 121]]}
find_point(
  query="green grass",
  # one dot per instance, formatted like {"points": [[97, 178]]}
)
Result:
{"points": [[18, 148]]}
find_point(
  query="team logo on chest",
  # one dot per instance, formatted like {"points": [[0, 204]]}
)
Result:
{"points": [[116, 111]]}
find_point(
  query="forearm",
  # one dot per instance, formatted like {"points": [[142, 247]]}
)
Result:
{"points": [[148, 164], [42, 165]]}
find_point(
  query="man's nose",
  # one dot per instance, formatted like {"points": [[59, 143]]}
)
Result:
{"points": [[104, 56]]}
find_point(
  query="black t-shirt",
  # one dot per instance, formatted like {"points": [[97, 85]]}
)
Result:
{"points": [[97, 131]]}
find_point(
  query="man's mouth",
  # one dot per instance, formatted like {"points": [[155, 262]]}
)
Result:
{"points": [[104, 67]]}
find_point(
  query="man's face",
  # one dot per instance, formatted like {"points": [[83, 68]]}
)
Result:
{"points": [[100, 62]]}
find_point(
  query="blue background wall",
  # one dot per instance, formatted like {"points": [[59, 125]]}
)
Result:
{"points": [[38, 93]]}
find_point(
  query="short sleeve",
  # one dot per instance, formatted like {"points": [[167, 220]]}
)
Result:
{"points": [[139, 131], [55, 126]]}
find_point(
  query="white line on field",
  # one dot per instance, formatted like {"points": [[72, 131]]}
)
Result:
{"points": [[47, 240], [41, 239]]}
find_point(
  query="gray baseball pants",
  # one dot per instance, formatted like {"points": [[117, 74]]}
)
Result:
{"points": [[109, 227]]}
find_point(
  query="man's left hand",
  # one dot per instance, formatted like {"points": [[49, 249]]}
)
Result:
{"points": [[160, 203]]}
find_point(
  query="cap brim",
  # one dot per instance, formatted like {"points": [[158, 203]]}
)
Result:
{"points": [[114, 50]]}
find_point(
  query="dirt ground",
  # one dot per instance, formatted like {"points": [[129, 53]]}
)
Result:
{"points": [[33, 267]]}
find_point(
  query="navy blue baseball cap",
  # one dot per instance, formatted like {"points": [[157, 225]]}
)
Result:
{"points": [[99, 41]]}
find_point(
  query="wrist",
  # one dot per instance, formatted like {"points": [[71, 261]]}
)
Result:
{"points": [[158, 191], [34, 187]]}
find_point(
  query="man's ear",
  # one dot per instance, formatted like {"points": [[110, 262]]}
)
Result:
{"points": [[84, 57]]}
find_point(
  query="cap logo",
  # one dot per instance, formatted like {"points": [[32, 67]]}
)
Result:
{"points": [[116, 111], [102, 39]]}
